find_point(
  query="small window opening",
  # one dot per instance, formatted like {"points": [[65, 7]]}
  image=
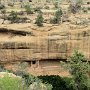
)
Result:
{"points": [[33, 62]]}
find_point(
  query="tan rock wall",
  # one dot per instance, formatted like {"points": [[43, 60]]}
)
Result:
{"points": [[51, 49]]}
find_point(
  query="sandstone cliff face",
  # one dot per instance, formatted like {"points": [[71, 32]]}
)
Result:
{"points": [[50, 42]]}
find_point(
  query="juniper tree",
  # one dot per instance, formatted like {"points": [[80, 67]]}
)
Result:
{"points": [[28, 9], [39, 20], [79, 69], [13, 17], [57, 17]]}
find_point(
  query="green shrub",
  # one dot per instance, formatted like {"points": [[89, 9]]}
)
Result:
{"points": [[89, 8], [39, 20], [88, 2], [79, 68], [3, 11], [85, 10], [57, 17], [27, 82], [11, 83], [2, 68], [28, 9], [29, 79], [40, 86], [34, 83], [13, 17], [2, 6]]}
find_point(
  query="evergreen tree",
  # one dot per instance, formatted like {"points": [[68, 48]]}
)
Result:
{"points": [[28, 9], [79, 69], [57, 17], [13, 17], [39, 20]]}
